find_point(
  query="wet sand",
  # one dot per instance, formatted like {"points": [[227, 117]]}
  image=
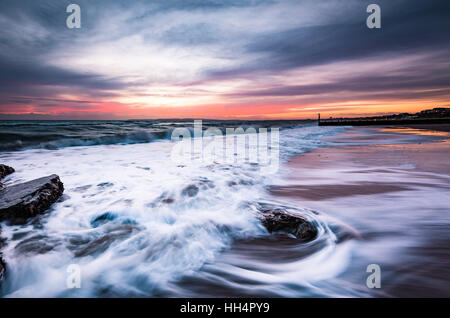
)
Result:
{"points": [[422, 156], [435, 127], [392, 186], [381, 196]]}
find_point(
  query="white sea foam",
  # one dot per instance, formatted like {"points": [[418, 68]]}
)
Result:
{"points": [[164, 221]]}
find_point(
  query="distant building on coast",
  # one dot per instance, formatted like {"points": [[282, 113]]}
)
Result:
{"points": [[438, 112], [435, 115]]}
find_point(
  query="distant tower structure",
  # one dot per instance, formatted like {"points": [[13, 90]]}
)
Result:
{"points": [[318, 119]]}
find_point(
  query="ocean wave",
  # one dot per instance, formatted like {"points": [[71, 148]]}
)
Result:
{"points": [[14, 142], [21, 135], [139, 224]]}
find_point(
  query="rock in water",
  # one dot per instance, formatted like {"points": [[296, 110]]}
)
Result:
{"points": [[2, 269], [22, 201], [277, 220], [2, 262], [4, 171]]}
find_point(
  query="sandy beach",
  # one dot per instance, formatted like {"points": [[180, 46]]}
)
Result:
{"points": [[369, 156], [391, 186]]}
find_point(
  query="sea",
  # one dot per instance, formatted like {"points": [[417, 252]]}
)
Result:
{"points": [[132, 222]]}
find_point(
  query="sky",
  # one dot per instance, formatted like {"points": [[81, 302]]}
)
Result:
{"points": [[228, 59]]}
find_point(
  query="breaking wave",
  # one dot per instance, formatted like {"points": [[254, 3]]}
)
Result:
{"points": [[139, 224]]}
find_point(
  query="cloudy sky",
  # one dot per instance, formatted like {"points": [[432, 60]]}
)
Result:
{"points": [[222, 58]]}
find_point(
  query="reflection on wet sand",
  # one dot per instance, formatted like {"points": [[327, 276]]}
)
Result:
{"points": [[383, 196]]}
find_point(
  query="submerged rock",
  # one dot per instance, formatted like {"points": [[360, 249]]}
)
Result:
{"points": [[104, 241], [190, 191], [279, 220], [164, 198], [105, 185], [200, 184], [38, 244], [22, 201]]}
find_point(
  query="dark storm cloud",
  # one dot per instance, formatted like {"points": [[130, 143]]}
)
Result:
{"points": [[29, 73], [417, 78], [31, 30], [407, 27], [262, 41]]}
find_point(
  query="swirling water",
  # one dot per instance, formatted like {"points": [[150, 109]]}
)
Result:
{"points": [[137, 223], [141, 225]]}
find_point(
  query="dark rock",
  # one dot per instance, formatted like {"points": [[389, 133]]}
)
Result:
{"points": [[200, 184], [5, 170], [22, 201], [101, 244], [165, 198], [190, 191], [2, 269], [278, 220], [19, 235], [205, 183], [245, 182], [241, 182], [2, 262], [38, 244], [105, 185], [168, 200]]}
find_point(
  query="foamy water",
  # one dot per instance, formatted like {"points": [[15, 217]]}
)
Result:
{"points": [[139, 224]]}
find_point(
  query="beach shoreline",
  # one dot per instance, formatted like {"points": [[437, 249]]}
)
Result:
{"points": [[390, 185], [376, 195], [436, 127]]}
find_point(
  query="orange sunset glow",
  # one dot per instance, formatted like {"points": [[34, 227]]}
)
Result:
{"points": [[281, 60]]}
